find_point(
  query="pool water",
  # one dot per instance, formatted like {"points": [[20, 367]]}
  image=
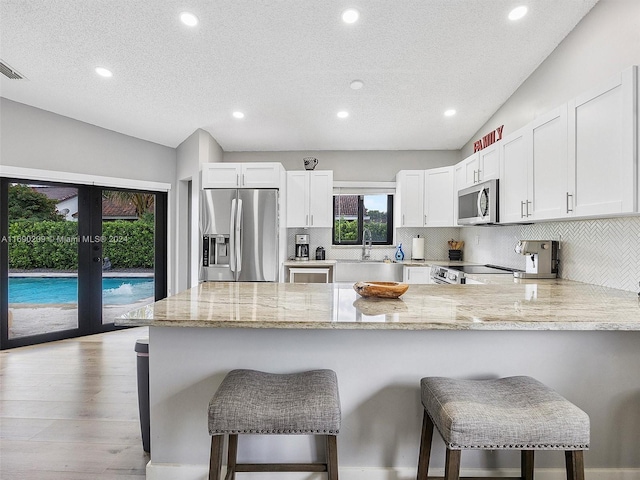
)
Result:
{"points": [[43, 290]]}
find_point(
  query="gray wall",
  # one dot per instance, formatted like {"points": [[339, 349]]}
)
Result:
{"points": [[355, 165], [604, 43], [38, 139]]}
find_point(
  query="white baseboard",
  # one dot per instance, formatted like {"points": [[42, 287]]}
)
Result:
{"points": [[200, 472]]}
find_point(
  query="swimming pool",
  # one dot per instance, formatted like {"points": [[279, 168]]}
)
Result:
{"points": [[44, 290]]}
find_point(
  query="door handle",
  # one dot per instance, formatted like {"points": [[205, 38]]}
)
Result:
{"points": [[521, 209], [528, 203], [232, 237], [312, 220], [239, 237], [569, 209]]}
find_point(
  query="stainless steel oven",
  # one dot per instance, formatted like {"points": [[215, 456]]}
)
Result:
{"points": [[478, 204]]}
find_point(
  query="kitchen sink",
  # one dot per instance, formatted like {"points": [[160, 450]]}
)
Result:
{"points": [[367, 271]]}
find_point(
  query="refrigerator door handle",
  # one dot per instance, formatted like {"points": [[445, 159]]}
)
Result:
{"points": [[238, 235], [232, 237]]}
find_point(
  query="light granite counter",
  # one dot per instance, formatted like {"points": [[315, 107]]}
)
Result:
{"points": [[504, 304]]}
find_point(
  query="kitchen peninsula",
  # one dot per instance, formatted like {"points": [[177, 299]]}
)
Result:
{"points": [[581, 340]]}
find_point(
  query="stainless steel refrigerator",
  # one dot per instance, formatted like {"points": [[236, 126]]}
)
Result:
{"points": [[239, 230]]}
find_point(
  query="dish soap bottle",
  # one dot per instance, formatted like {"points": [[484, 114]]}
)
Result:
{"points": [[399, 253]]}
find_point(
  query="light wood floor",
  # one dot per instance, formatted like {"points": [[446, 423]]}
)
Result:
{"points": [[69, 410]]}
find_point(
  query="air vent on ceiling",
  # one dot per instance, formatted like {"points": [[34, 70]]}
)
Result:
{"points": [[9, 72]]}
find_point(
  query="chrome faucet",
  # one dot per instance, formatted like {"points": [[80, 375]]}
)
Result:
{"points": [[367, 241]]}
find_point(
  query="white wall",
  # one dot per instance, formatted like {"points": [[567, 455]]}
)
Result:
{"points": [[198, 148], [355, 165], [604, 43]]}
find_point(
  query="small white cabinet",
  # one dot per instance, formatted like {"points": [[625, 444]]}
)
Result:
{"points": [[438, 199], [410, 189], [242, 175], [426, 197], [416, 275], [310, 198], [533, 170], [602, 158], [476, 168]]}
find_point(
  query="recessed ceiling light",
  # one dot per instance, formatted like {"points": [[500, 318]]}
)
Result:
{"points": [[104, 72], [238, 115], [518, 12], [343, 114], [350, 15], [449, 113], [357, 84], [189, 19]]}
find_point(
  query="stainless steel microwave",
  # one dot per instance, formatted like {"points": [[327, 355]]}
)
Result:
{"points": [[478, 204]]}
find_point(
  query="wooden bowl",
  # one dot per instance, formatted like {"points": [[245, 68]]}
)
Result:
{"points": [[380, 289]]}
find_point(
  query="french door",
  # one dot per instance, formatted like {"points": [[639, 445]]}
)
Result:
{"points": [[75, 257]]}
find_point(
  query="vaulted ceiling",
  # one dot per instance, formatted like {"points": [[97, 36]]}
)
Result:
{"points": [[286, 64]]}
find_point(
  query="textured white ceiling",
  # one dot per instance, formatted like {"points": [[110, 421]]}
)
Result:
{"points": [[287, 64]]}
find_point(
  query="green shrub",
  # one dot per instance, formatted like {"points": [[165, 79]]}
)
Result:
{"points": [[54, 244]]}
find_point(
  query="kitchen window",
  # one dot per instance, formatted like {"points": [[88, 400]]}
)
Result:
{"points": [[353, 213]]}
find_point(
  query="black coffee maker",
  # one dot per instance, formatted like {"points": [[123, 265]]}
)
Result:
{"points": [[319, 253]]}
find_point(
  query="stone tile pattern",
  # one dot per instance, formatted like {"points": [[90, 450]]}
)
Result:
{"points": [[435, 243], [601, 252]]}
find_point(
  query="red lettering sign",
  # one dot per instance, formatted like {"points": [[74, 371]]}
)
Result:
{"points": [[489, 139]]}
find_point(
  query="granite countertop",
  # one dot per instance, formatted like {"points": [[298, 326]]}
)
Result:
{"points": [[516, 305], [309, 263]]}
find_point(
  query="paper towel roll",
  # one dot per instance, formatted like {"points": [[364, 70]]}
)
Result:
{"points": [[417, 249]]}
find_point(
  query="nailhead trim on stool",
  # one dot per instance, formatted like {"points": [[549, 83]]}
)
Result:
{"points": [[517, 413], [253, 402]]}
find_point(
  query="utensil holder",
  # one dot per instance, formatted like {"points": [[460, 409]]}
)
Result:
{"points": [[455, 254]]}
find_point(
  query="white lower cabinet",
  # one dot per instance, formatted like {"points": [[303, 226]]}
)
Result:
{"points": [[418, 275]]}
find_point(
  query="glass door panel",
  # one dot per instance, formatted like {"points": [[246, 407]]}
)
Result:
{"points": [[128, 249], [42, 259]]}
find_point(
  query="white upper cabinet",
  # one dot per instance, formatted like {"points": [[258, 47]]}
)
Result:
{"points": [[533, 170], [602, 140], [549, 167], [426, 197], [476, 168], [310, 198], [515, 163], [410, 187], [242, 175], [438, 198]]}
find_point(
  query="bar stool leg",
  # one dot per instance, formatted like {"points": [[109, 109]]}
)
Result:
{"points": [[232, 456], [452, 465], [215, 460], [332, 457], [526, 464], [575, 464], [425, 447]]}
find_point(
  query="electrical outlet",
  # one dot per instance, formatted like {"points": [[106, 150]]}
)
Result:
{"points": [[477, 239]]}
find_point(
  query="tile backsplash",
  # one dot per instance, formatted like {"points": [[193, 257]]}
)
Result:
{"points": [[601, 252]]}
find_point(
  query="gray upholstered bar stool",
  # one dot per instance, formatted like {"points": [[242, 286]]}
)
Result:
{"points": [[515, 413], [253, 402]]}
